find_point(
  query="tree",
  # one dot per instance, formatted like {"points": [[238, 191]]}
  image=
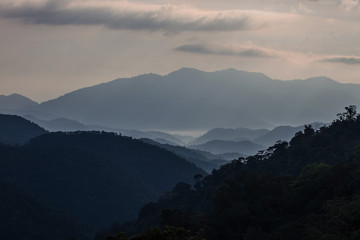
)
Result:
{"points": [[309, 130], [198, 182], [348, 115]]}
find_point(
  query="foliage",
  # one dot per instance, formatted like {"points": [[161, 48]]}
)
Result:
{"points": [[348, 115], [25, 216], [96, 176], [308, 188], [154, 233]]}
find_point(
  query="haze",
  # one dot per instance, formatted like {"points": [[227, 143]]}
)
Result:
{"points": [[49, 48]]}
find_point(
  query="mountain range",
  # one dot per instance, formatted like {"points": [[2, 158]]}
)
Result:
{"points": [[203, 159], [189, 99], [240, 142], [221, 147], [229, 134]]}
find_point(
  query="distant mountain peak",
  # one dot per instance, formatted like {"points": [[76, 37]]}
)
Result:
{"points": [[321, 79], [230, 70], [15, 101], [15, 95], [147, 75], [185, 72]]}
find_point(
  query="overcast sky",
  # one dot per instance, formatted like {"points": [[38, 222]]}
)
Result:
{"points": [[48, 48]]}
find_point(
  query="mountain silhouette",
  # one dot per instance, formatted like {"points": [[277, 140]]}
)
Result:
{"points": [[16, 130], [281, 133], [15, 101], [98, 177], [65, 124], [189, 99], [202, 159], [230, 134], [221, 146]]}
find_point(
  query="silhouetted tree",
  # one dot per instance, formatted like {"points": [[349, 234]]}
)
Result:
{"points": [[309, 130], [349, 114]]}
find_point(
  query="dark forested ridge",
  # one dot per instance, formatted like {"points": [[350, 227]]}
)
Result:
{"points": [[97, 177], [16, 130], [308, 188], [24, 216]]}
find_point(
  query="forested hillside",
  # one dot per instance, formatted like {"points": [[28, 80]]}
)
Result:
{"points": [[97, 177], [308, 188], [25, 216], [16, 130]]}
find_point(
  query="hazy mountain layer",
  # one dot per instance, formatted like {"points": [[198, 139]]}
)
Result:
{"points": [[64, 124], [59, 124], [220, 147], [230, 134], [189, 99], [281, 133], [15, 101], [204, 160]]}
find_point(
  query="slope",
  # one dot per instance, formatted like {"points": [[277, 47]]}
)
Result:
{"points": [[24, 216], [17, 130], [15, 101], [229, 134], [220, 147], [305, 189], [281, 133], [98, 177], [204, 160]]}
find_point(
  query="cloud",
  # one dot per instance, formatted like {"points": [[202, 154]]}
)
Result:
{"points": [[253, 51], [344, 60], [350, 4], [135, 16], [232, 50]]}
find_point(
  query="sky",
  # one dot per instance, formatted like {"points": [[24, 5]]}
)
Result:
{"points": [[49, 48]]}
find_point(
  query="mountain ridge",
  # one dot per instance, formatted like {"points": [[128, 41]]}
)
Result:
{"points": [[97, 177], [245, 147], [190, 99], [15, 130], [15, 101]]}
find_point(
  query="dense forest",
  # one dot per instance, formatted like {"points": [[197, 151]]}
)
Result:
{"points": [[58, 184], [308, 188], [26, 216], [64, 185]]}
